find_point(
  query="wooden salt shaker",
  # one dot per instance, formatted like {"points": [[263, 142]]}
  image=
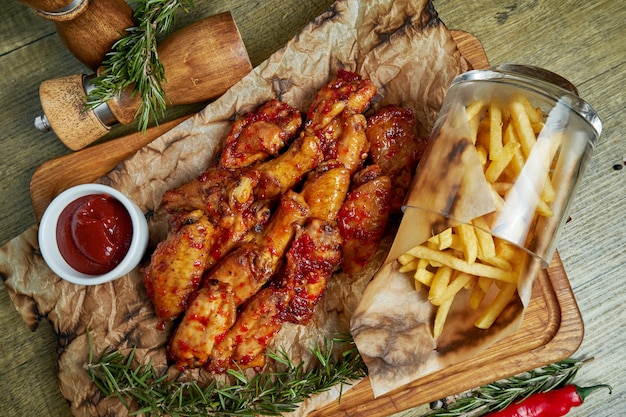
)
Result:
{"points": [[88, 28], [200, 61]]}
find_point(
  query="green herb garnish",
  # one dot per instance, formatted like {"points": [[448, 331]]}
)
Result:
{"points": [[133, 61], [266, 393], [499, 394]]}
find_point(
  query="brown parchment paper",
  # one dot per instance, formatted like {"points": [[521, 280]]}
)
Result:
{"points": [[401, 45]]}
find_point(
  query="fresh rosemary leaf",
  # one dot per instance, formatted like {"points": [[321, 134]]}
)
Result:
{"points": [[133, 61], [498, 395], [267, 393]]}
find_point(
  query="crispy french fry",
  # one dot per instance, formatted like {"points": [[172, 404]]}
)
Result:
{"points": [[492, 312], [535, 115], [423, 275], [497, 166], [498, 201], [517, 162], [439, 284], [495, 131], [441, 240], [486, 246], [405, 259], [476, 297], [544, 209], [484, 283], [409, 266], [478, 269], [501, 187], [441, 316], [523, 126], [468, 241], [482, 154], [537, 127], [547, 192], [473, 110], [473, 113], [459, 281]]}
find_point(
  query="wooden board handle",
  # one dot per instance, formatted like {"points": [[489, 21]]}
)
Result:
{"points": [[87, 165]]}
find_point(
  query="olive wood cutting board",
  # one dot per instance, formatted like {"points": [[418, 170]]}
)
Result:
{"points": [[551, 331]]}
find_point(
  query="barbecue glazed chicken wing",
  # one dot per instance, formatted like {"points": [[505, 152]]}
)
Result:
{"points": [[282, 173], [347, 91], [396, 147], [184, 253], [210, 314], [363, 217], [250, 266], [200, 194], [314, 256], [351, 146], [260, 135], [325, 190]]}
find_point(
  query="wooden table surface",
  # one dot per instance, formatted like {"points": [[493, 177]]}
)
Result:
{"points": [[581, 40]]}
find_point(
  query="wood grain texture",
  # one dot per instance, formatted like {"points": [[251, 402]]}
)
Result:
{"points": [[87, 165], [582, 41], [90, 33]]}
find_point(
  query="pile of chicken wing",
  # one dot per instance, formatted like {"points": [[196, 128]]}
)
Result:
{"points": [[294, 198]]}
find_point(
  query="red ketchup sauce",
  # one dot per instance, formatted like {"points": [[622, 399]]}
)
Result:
{"points": [[94, 233]]}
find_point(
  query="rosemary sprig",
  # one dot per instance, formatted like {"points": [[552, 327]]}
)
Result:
{"points": [[500, 394], [133, 61], [267, 393]]}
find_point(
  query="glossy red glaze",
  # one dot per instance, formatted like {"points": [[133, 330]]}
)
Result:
{"points": [[94, 233]]}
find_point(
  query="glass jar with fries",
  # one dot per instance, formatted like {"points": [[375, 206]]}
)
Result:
{"points": [[505, 158]]}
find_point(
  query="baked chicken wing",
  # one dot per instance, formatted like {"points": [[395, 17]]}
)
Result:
{"points": [[260, 135], [177, 265], [209, 315], [347, 91], [251, 265], [363, 217], [396, 148]]}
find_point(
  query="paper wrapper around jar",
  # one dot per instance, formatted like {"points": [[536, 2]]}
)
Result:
{"points": [[404, 348], [394, 43]]}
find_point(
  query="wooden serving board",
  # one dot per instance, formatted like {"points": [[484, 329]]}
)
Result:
{"points": [[552, 329]]}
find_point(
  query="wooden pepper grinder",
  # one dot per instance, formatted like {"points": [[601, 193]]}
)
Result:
{"points": [[88, 28], [200, 61]]}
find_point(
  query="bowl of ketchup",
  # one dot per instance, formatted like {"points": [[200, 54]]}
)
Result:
{"points": [[92, 233]]}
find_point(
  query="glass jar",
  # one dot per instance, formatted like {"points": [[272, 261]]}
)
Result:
{"points": [[504, 160]]}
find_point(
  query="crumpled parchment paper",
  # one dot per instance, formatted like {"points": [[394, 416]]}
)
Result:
{"points": [[401, 45]]}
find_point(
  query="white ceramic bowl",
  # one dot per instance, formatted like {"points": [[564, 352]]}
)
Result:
{"points": [[48, 241]]}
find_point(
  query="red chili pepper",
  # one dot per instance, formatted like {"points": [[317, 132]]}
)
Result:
{"points": [[555, 403]]}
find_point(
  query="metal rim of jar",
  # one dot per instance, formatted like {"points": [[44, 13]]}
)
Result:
{"points": [[539, 80]]}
